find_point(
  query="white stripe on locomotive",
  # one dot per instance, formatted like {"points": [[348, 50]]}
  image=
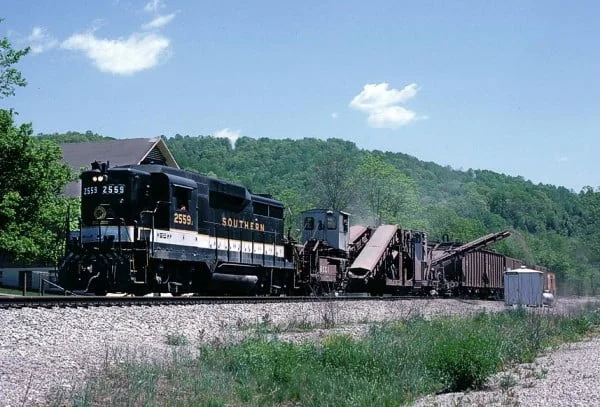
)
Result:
{"points": [[182, 238]]}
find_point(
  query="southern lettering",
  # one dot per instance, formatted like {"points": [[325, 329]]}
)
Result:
{"points": [[241, 223]]}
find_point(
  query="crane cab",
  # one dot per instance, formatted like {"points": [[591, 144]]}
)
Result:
{"points": [[326, 225]]}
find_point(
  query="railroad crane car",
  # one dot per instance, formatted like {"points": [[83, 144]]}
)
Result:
{"points": [[335, 256]]}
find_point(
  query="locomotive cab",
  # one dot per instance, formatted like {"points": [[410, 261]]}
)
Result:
{"points": [[175, 203]]}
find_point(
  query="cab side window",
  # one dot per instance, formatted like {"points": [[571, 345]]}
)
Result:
{"points": [[309, 223], [181, 198], [331, 222]]}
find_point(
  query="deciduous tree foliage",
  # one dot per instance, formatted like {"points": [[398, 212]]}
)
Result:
{"points": [[73, 137], [387, 192], [552, 226], [10, 77], [333, 182], [32, 210]]}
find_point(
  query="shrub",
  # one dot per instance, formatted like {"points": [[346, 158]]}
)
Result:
{"points": [[464, 361]]}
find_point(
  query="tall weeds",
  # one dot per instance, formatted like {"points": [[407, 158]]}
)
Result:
{"points": [[392, 365]]}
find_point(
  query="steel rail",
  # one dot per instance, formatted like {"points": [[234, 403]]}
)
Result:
{"points": [[7, 302]]}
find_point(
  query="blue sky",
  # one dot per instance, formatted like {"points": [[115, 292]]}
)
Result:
{"points": [[507, 86]]}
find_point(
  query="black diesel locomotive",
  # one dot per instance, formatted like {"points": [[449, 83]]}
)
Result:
{"points": [[151, 228]]}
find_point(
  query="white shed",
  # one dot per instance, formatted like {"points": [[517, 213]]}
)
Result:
{"points": [[13, 277], [523, 287]]}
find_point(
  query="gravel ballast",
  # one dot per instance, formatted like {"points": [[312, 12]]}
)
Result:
{"points": [[47, 349], [567, 376]]}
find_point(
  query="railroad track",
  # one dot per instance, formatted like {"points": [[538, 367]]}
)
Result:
{"points": [[108, 301]]}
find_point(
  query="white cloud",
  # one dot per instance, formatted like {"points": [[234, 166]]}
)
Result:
{"points": [[378, 95], [120, 56], [381, 104], [153, 6], [562, 159], [227, 133], [158, 22], [334, 115], [39, 40], [390, 117]]}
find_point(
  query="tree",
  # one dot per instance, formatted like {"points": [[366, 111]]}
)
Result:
{"points": [[388, 193], [73, 137], [445, 221], [32, 210], [10, 76], [333, 182]]}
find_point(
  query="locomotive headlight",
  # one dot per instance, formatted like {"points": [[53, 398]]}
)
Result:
{"points": [[94, 178], [100, 178]]}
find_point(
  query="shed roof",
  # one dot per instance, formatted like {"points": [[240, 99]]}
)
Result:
{"points": [[524, 270]]}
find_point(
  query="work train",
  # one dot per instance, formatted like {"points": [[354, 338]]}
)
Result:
{"points": [[151, 228]]}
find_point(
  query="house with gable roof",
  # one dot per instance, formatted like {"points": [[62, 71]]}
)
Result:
{"points": [[116, 152]]}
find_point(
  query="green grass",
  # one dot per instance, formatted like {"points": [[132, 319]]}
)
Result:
{"points": [[12, 291], [176, 339], [394, 364]]}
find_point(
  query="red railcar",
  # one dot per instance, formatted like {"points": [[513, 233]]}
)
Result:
{"points": [[483, 270], [549, 278], [478, 273], [513, 264]]}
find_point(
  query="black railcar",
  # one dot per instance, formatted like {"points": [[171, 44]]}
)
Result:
{"points": [[151, 228]]}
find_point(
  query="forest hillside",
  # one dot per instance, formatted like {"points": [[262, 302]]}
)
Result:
{"points": [[551, 225]]}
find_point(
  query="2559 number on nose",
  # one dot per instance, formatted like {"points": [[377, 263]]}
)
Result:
{"points": [[182, 219], [113, 189]]}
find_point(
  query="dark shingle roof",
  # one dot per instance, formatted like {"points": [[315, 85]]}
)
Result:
{"points": [[116, 152]]}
